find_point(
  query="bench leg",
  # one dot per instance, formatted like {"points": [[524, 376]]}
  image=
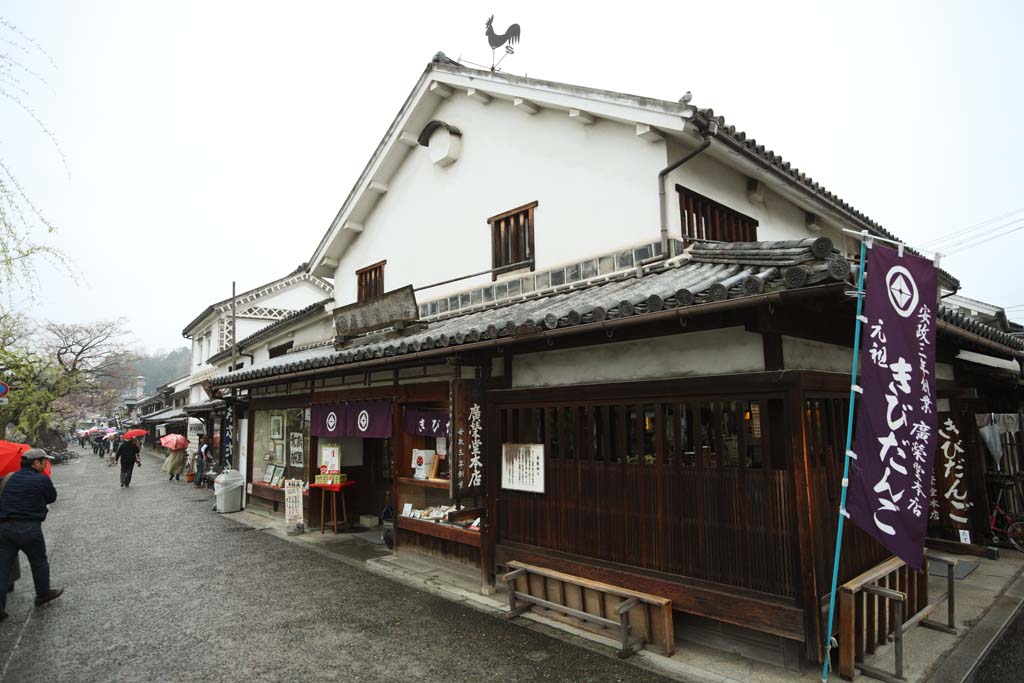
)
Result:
{"points": [[514, 609], [629, 647]]}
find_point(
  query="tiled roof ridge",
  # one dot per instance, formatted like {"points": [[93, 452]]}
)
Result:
{"points": [[680, 283], [971, 324]]}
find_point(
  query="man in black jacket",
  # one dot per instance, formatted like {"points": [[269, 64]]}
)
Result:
{"points": [[22, 510], [128, 454]]}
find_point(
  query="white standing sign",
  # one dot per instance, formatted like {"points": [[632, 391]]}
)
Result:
{"points": [[522, 467], [293, 504]]}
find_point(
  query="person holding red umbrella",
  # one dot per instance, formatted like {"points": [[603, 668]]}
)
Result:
{"points": [[128, 454], [10, 461], [24, 496]]}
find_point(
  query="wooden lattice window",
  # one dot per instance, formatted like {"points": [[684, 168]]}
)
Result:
{"points": [[370, 281], [280, 350], [705, 219], [512, 239]]}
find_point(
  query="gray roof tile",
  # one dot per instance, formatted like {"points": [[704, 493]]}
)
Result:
{"points": [[713, 272]]}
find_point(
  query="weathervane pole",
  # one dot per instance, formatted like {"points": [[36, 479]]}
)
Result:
{"points": [[865, 244]]}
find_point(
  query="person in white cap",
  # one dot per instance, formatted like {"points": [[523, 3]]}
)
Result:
{"points": [[24, 496]]}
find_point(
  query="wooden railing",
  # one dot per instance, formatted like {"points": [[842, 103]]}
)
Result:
{"points": [[879, 606]]}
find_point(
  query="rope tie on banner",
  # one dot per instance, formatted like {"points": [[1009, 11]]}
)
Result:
{"points": [[856, 389], [851, 455]]}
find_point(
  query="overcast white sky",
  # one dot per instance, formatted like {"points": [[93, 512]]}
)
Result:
{"points": [[214, 141]]}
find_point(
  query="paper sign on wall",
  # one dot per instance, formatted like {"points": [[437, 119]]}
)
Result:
{"points": [[522, 467]]}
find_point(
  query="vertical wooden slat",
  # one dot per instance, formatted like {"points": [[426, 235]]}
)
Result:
{"points": [[870, 623], [847, 639]]}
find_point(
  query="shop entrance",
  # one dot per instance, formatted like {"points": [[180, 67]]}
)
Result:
{"points": [[373, 476]]}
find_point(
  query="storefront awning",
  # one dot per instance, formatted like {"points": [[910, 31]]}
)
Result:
{"points": [[210, 406], [168, 415]]}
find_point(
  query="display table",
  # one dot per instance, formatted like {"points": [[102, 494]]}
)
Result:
{"points": [[334, 490]]}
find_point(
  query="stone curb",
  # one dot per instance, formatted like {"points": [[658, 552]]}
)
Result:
{"points": [[961, 664]]}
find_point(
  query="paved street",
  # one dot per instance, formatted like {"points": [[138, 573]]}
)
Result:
{"points": [[159, 588], [1006, 660]]}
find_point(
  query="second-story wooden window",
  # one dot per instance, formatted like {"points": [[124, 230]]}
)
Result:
{"points": [[705, 219], [512, 239], [276, 351], [370, 281]]}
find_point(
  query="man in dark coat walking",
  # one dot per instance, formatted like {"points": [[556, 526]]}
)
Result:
{"points": [[128, 455], [26, 493]]}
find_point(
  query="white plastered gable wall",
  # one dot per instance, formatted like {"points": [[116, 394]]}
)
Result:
{"points": [[252, 314], [593, 185]]}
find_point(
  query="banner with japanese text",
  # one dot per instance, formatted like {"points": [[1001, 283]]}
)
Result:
{"points": [[895, 434], [426, 422]]}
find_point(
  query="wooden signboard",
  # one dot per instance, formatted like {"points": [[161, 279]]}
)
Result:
{"points": [[391, 309], [466, 438], [952, 502]]}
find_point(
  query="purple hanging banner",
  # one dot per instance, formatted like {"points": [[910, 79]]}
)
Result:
{"points": [[426, 422], [368, 419], [327, 420], [895, 436]]}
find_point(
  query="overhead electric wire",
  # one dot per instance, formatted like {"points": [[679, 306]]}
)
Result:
{"points": [[971, 228], [950, 246], [973, 243], [981, 237]]}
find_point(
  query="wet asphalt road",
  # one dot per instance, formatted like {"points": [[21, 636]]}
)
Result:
{"points": [[1006, 660], [159, 588]]}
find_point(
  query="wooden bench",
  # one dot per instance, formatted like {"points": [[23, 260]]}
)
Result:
{"points": [[638, 617]]}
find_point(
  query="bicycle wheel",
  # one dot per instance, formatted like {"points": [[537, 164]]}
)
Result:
{"points": [[1015, 532]]}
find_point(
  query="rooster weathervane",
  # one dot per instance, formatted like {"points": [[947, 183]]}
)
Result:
{"points": [[496, 40]]}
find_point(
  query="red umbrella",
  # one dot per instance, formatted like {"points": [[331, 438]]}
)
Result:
{"points": [[175, 442], [10, 457], [132, 433]]}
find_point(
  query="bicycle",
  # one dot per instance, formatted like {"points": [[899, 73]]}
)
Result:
{"points": [[1002, 524], [62, 457]]}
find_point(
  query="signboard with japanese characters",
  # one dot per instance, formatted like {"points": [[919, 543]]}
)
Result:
{"points": [[466, 449], [391, 309], [951, 500], [293, 505], [895, 435], [522, 467]]}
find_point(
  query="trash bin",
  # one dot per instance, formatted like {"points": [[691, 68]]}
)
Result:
{"points": [[228, 489]]}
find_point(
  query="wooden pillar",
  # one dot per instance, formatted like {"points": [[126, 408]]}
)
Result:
{"points": [[491, 477], [806, 523]]}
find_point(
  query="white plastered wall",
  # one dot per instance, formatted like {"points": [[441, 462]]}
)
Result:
{"points": [[596, 187], [713, 352], [805, 354]]}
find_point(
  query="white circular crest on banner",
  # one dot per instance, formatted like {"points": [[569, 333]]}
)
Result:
{"points": [[364, 420], [332, 421], [902, 290]]}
